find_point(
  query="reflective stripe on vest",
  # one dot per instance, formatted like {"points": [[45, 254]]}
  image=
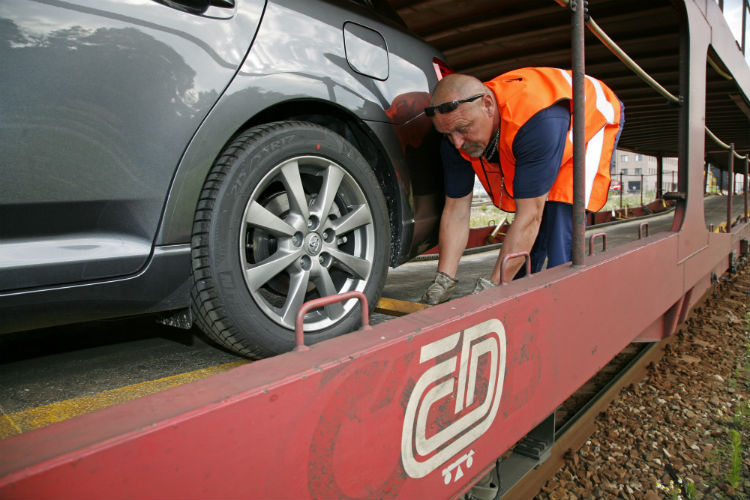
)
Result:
{"points": [[522, 93]]}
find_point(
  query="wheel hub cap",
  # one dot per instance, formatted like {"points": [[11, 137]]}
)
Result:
{"points": [[313, 244]]}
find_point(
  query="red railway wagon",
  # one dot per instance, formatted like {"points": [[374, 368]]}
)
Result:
{"points": [[423, 405]]}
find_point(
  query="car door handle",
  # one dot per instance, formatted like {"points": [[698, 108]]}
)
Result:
{"points": [[220, 9]]}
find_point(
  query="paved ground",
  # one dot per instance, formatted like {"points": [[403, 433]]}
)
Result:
{"points": [[81, 361]]}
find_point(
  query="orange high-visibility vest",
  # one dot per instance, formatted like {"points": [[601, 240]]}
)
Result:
{"points": [[522, 93]]}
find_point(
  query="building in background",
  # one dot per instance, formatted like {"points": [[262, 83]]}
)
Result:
{"points": [[638, 168]]}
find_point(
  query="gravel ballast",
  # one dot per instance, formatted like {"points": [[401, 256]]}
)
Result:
{"points": [[684, 430]]}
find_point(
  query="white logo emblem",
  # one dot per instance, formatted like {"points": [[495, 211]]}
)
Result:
{"points": [[456, 466], [418, 451]]}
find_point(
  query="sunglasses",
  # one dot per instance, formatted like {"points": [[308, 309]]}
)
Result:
{"points": [[449, 106]]}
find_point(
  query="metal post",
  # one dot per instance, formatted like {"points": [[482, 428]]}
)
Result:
{"points": [[744, 191], [743, 43], [705, 178], [299, 331], [659, 176], [579, 129], [622, 187], [641, 189], [730, 194]]}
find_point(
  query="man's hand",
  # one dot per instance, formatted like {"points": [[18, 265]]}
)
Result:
{"points": [[483, 284], [454, 232], [440, 290], [521, 235]]}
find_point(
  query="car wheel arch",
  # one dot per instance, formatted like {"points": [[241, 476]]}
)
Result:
{"points": [[356, 131], [345, 123]]}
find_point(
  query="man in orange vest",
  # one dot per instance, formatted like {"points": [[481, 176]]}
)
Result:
{"points": [[514, 133]]}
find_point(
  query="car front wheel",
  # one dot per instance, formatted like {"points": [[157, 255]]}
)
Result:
{"points": [[290, 212]]}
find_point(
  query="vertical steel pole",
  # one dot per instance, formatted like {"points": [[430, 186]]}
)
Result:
{"points": [[744, 27], [705, 178], [641, 189], [621, 190], [579, 129], [744, 190], [659, 176], [730, 187]]}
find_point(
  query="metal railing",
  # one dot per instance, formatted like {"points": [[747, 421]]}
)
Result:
{"points": [[580, 18], [641, 73]]}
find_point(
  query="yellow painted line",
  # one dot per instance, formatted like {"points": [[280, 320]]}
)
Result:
{"points": [[8, 428], [42, 416], [395, 307]]}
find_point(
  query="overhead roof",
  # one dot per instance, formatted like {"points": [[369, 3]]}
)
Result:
{"points": [[488, 37]]}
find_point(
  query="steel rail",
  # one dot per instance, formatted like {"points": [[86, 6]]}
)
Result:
{"points": [[718, 70], [724, 145], [629, 62], [624, 57], [641, 73], [580, 426]]}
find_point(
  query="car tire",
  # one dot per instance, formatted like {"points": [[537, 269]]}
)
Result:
{"points": [[290, 211]]}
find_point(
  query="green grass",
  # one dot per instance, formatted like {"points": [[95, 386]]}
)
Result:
{"points": [[734, 475], [628, 200], [486, 214]]}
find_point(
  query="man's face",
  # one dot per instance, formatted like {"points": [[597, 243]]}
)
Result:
{"points": [[468, 127]]}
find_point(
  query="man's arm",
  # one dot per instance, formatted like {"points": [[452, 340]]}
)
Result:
{"points": [[454, 233], [538, 148], [521, 235]]}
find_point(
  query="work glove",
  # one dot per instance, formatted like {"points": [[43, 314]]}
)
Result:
{"points": [[483, 284], [440, 290]]}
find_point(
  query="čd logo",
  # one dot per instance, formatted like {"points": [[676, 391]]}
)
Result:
{"points": [[436, 429]]}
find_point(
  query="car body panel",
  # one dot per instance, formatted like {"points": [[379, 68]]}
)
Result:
{"points": [[163, 285], [306, 62], [100, 101], [97, 222]]}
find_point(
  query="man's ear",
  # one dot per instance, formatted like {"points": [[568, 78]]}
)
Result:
{"points": [[489, 105]]}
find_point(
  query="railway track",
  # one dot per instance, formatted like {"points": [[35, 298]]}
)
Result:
{"points": [[589, 402], [579, 413]]}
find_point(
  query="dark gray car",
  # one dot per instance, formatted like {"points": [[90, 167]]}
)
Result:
{"points": [[223, 161]]}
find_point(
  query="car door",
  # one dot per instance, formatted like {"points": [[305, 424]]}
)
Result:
{"points": [[99, 101]]}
